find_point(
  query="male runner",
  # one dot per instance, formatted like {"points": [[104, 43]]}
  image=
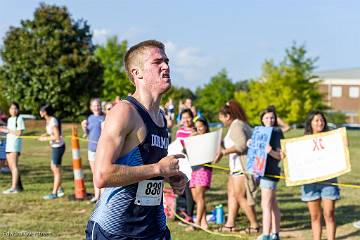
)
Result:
{"points": [[131, 162]]}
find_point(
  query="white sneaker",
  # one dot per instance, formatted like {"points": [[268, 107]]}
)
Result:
{"points": [[60, 192], [10, 191]]}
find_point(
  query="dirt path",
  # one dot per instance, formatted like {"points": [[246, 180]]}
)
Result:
{"points": [[347, 232]]}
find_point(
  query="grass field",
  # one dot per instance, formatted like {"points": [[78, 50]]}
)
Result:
{"points": [[26, 212]]}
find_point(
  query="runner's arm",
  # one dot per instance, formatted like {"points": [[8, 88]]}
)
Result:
{"points": [[118, 126]]}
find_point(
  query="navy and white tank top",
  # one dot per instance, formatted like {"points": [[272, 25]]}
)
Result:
{"points": [[116, 211]]}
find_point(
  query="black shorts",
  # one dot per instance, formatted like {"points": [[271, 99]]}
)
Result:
{"points": [[57, 154], [95, 232]]}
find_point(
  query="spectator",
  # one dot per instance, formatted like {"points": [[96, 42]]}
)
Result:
{"points": [[183, 132], [14, 129], [92, 129], [54, 136], [241, 186], [200, 179], [315, 194], [268, 185]]}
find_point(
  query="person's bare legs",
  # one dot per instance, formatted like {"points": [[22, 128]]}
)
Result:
{"points": [[329, 209], [204, 223], [233, 206], [96, 190], [240, 196], [315, 215], [266, 205], [198, 194], [56, 169], [275, 216], [13, 159]]}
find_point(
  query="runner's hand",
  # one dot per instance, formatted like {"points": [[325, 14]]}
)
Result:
{"points": [[178, 183], [169, 166]]}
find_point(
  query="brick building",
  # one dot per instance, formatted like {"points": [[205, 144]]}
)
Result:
{"points": [[342, 91]]}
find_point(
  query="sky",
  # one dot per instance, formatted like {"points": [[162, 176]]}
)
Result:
{"points": [[204, 37]]}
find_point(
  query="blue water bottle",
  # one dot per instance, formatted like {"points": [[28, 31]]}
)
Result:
{"points": [[213, 217], [219, 214]]}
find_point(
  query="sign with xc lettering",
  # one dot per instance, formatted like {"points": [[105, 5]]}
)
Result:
{"points": [[256, 155], [315, 157]]}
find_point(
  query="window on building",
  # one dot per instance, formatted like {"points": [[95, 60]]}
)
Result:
{"points": [[336, 91], [354, 92]]}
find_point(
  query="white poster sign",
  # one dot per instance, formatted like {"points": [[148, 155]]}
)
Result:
{"points": [[316, 157], [175, 148], [203, 148]]}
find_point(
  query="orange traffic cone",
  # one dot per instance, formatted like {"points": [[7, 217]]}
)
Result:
{"points": [[80, 191]]}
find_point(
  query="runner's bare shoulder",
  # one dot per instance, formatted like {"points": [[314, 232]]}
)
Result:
{"points": [[121, 118]]}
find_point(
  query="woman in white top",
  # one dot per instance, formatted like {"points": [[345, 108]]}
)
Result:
{"points": [[14, 129], [54, 135], [240, 185]]}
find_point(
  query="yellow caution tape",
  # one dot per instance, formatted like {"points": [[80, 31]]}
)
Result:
{"points": [[68, 136], [282, 177], [204, 229], [207, 165]]}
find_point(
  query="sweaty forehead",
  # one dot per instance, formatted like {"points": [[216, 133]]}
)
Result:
{"points": [[154, 53]]}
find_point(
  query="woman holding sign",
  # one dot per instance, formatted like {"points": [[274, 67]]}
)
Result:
{"points": [[316, 193], [200, 179], [268, 184], [240, 185]]}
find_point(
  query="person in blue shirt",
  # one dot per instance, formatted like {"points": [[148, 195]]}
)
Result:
{"points": [[92, 130]]}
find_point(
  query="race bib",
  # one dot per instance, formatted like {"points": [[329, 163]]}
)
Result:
{"points": [[149, 193]]}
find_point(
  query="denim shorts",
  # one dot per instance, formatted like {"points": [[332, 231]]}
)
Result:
{"points": [[268, 184], [314, 191], [91, 156], [57, 154]]}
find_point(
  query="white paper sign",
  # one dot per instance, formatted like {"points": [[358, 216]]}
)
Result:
{"points": [[203, 148], [316, 157], [175, 148]]}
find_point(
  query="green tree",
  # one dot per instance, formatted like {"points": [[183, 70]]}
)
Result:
{"points": [[116, 82], [4, 104], [214, 95], [287, 86], [50, 59], [178, 94], [336, 117], [242, 85]]}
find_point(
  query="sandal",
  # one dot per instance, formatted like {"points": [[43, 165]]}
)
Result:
{"points": [[250, 230], [224, 228]]}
